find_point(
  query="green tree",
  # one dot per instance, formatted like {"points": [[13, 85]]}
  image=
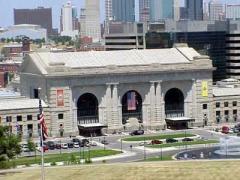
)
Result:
{"points": [[9, 143], [31, 146]]}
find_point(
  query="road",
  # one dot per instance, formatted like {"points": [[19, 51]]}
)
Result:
{"points": [[137, 154]]}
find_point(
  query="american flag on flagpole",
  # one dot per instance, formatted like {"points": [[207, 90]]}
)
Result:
{"points": [[42, 122], [131, 101]]}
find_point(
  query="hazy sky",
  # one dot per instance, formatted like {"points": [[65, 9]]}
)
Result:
{"points": [[7, 6]]}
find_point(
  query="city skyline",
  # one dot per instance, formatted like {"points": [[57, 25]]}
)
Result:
{"points": [[7, 11]]}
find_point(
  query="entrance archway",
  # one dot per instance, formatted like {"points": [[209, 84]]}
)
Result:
{"points": [[174, 103], [131, 106]]}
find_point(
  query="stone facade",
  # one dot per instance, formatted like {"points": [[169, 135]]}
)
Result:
{"points": [[109, 84]]}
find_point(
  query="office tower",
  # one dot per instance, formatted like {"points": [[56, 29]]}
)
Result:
{"points": [[194, 9], [233, 12], [215, 10], [164, 9], [144, 10], [108, 10], [123, 10], [39, 16], [68, 15], [75, 20], [90, 20]]}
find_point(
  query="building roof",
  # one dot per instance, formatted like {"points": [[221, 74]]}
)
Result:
{"points": [[15, 103], [224, 91], [93, 62]]}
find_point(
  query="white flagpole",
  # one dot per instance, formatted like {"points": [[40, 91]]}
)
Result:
{"points": [[41, 138], [42, 169]]}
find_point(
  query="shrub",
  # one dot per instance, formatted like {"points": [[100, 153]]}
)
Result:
{"points": [[53, 163], [88, 161]]}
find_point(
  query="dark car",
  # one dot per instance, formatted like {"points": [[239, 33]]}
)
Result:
{"points": [[155, 141], [171, 140], [187, 139], [76, 140], [137, 132], [51, 145], [58, 146], [70, 145], [104, 142], [84, 142]]}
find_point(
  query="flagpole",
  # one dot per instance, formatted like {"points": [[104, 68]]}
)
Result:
{"points": [[41, 139]]}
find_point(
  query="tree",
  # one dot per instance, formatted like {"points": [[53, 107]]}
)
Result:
{"points": [[9, 144]]}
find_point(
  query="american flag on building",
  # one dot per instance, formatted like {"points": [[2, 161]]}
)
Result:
{"points": [[131, 101], [42, 122]]}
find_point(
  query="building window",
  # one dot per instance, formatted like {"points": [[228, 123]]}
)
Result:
{"points": [[218, 116], [226, 113], [225, 104], [60, 116], [204, 106], [35, 93], [8, 118], [29, 117], [19, 118], [234, 103], [217, 104], [235, 115]]}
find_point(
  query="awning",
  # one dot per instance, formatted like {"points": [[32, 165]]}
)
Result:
{"points": [[179, 119], [90, 126]]}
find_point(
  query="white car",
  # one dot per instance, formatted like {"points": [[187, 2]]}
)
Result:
{"points": [[76, 145], [64, 145]]}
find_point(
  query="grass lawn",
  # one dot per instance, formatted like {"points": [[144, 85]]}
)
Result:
{"points": [[183, 143], [164, 170], [64, 157], [163, 136], [158, 158]]}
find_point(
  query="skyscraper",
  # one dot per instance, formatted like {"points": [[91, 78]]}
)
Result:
{"points": [[233, 12], [144, 10], [91, 20], [67, 13], [40, 16], [194, 9], [164, 9], [215, 10], [123, 10], [108, 10]]}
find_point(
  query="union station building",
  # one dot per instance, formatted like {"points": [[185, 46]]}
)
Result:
{"points": [[105, 91]]}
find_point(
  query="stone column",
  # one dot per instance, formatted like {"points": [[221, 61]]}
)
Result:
{"points": [[194, 105], [115, 110], [158, 105], [108, 102], [152, 117]]}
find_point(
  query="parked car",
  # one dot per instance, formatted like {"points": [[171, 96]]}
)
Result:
{"points": [[76, 145], [76, 140], [70, 145], [51, 145], [225, 129], [24, 148], [136, 132], [187, 139], [64, 145], [155, 141], [92, 143], [85, 142], [104, 142], [171, 140], [236, 130], [58, 145]]}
